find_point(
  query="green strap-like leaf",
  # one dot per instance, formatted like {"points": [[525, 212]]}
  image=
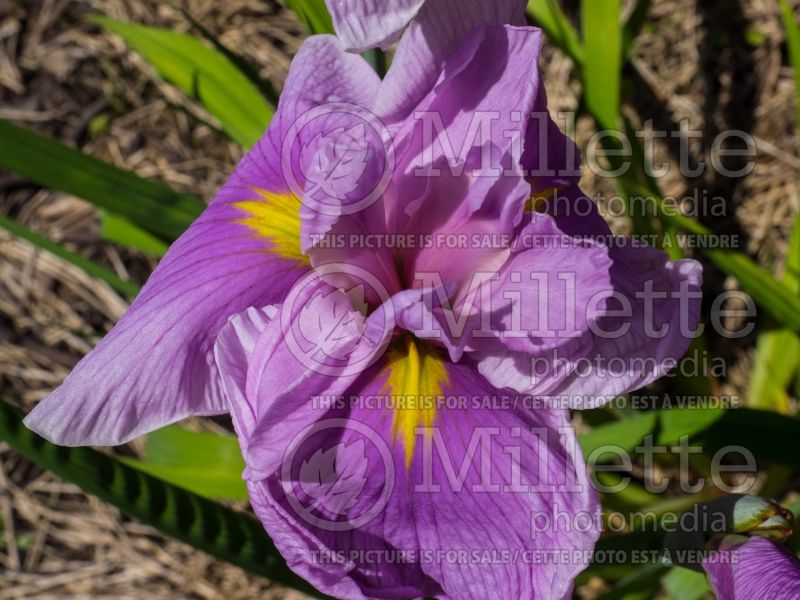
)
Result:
{"points": [[92, 268], [602, 41], [641, 584], [775, 364], [203, 462], [203, 73], [781, 302], [313, 14], [231, 536], [50, 163], [684, 584], [634, 25], [767, 435], [246, 68], [793, 44], [548, 15], [625, 434], [119, 230]]}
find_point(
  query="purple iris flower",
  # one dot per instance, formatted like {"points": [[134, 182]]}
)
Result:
{"points": [[399, 330], [756, 569]]}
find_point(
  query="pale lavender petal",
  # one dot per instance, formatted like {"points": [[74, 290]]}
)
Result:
{"points": [[322, 79], [430, 40], [469, 223], [363, 448], [659, 302], [276, 359], [363, 24], [757, 570], [548, 293], [233, 352], [465, 182], [478, 110], [343, 203], [156, 366]]}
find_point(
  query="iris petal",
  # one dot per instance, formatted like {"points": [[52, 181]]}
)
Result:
{"points": [[156, 365], [757, 570], [478, 474]]}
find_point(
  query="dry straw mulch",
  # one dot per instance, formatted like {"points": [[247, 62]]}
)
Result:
{"points": [[719, 65]]}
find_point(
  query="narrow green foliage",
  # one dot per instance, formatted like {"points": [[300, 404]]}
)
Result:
{"points": [[313, 14], [634, 25], [50, 163], [203, 73], [548, 15], [121, 231], [778, 349], [231, 536], [205, 463], [684, 584], [92, 268], [247, 68], [625, 434], [602, 39]]}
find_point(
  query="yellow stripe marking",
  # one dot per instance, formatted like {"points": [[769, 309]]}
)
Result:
{"points": [[538, 200], [275, 217], [416, 376]]}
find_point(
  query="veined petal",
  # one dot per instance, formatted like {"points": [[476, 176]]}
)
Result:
{"points": [[316, 343], [459, 184], [156, 365], [233, 353], [646, 325], [392, 493], [547, 294], [364, 24], [343, 200], [476, 116], [430, 40], [469, 223], [757, 570]]}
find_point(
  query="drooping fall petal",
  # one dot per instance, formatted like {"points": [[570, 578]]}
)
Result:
{"points": [[156, 365]]}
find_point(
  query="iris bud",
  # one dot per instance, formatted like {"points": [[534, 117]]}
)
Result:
{"points": [[754, 515]]}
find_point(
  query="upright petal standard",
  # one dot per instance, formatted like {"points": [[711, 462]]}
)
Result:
{"points": [[364, 24]]}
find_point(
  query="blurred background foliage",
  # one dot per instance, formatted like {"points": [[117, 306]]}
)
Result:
{"points": [[119, 120]]}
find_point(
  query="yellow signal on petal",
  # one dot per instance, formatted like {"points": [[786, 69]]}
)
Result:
{"points": [[275, 217], [538, 201], [416, 376]]}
